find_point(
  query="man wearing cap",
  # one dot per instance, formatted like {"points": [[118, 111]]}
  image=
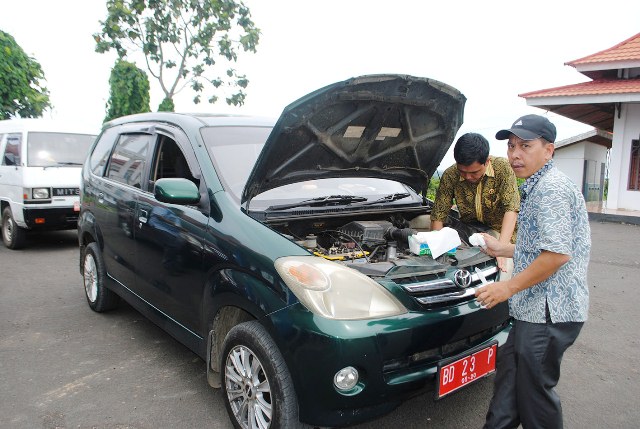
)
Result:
{"points": [[548, 293], [484, 189]]}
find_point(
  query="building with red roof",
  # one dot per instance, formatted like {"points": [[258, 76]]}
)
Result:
{"points": [[610, 102]]}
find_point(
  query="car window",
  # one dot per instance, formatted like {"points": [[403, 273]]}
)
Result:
{"points": [[11, 154], [47, 149], [102, 151], [127, 163], [170, 161]]}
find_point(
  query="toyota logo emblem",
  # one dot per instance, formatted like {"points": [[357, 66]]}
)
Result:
{"points": [[462, 278]]}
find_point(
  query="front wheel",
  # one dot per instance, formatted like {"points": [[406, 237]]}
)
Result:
{"points": [[93, 275], [12, 235], [257, 387]]}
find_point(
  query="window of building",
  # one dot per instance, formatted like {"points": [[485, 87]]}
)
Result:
{"points": [[634, 166]]}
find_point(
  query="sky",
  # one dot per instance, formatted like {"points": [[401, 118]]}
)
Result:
{"points": [[489, 50]]}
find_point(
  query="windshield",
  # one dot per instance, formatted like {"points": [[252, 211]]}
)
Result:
{"points": [[234, 151], [46, 149]]}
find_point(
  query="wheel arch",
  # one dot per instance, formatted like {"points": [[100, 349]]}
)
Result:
{"points": [[88, 232], [226, 318], [234, 296]]}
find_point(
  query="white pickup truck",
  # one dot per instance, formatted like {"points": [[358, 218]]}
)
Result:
{"points": [[40, 176]]}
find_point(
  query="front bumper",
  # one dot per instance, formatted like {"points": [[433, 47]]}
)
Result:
{"points": [[396, 357], [50, 218]]}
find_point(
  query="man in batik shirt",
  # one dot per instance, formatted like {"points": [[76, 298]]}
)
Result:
{"points": [[483, 188], [548, 293]]}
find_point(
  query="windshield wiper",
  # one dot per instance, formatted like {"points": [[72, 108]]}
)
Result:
{"points": [[387, 198], [69, 163], [330, 200]]}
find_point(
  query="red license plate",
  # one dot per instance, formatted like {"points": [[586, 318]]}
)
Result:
{"points": [[465, 370]]}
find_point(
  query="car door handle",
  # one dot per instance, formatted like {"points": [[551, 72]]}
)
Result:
{"points": [[143, 216], [100, 198]]}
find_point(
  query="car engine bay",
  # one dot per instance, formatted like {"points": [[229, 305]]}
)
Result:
{"points": [[375, 245]]}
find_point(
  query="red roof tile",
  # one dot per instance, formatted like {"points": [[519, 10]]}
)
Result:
{"points": [[596, 87], [628, 50]]}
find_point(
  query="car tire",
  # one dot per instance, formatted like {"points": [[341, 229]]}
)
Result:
{"points": [[256, 384], [12, 235], [100, 298]]}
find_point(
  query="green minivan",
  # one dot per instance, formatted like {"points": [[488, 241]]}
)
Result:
{"points": [[278, 251]]}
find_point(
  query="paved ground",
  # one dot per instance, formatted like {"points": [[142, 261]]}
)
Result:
{"points": [[64, 366]]}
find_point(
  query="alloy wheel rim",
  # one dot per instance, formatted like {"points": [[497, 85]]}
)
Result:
{"points": [[248, 389], [90, 278]]}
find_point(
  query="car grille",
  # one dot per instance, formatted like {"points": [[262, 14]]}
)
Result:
{"points": [[439, 289]]}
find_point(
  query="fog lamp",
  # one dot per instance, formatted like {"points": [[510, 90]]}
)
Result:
{"points": [[346, 378]]}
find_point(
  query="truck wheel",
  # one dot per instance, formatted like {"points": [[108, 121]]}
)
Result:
{"points": [[93, 273], [257, 387], [12, 235]]}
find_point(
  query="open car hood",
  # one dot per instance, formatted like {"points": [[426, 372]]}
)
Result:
{"points": [[393, 127]]}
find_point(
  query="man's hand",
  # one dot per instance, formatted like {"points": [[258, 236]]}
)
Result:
{"points": [[493, 294], [496, 248]]}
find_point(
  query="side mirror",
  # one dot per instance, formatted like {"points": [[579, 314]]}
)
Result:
{"points": [[176, 191]]}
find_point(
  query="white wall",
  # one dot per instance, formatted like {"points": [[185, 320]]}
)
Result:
{"points": [[570, 160], [625, 129]]}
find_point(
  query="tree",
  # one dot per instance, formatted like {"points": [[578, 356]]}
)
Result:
{"points": [[129, 91], [184, 42], [21, 90], [434, 184]]}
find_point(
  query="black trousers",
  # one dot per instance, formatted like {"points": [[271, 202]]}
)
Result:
{"points": [[528, 369]]}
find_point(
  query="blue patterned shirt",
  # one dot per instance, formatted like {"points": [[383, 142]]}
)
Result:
{"points": [[552, 217]]}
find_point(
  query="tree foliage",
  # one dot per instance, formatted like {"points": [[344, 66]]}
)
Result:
{"points": [[21, 88], [166, 105], [434, 184], [186, 43], [129, 91]]}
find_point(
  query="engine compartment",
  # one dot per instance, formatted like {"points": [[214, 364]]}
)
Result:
{"points": [[376, 244]]}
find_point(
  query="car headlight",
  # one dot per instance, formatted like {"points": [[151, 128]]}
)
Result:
{"points": [[334, 291], [40, 193]]}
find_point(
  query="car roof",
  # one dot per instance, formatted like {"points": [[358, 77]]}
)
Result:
{"points": [[188, 120], [45, 125]]}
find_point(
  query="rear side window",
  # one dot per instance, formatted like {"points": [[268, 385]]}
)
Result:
{"points": [[11, 155], [127, 163]]}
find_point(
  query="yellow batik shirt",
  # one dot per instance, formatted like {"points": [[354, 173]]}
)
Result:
{"points": [[486, 201]]}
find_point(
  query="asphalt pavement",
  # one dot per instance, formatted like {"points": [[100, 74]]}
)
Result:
{"points": [[64, 366]]}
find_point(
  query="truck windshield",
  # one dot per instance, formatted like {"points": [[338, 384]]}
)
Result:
{"points": [[45, 149]]}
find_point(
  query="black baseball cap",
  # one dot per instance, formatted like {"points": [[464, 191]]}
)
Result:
{"points": [[530, 127]]}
